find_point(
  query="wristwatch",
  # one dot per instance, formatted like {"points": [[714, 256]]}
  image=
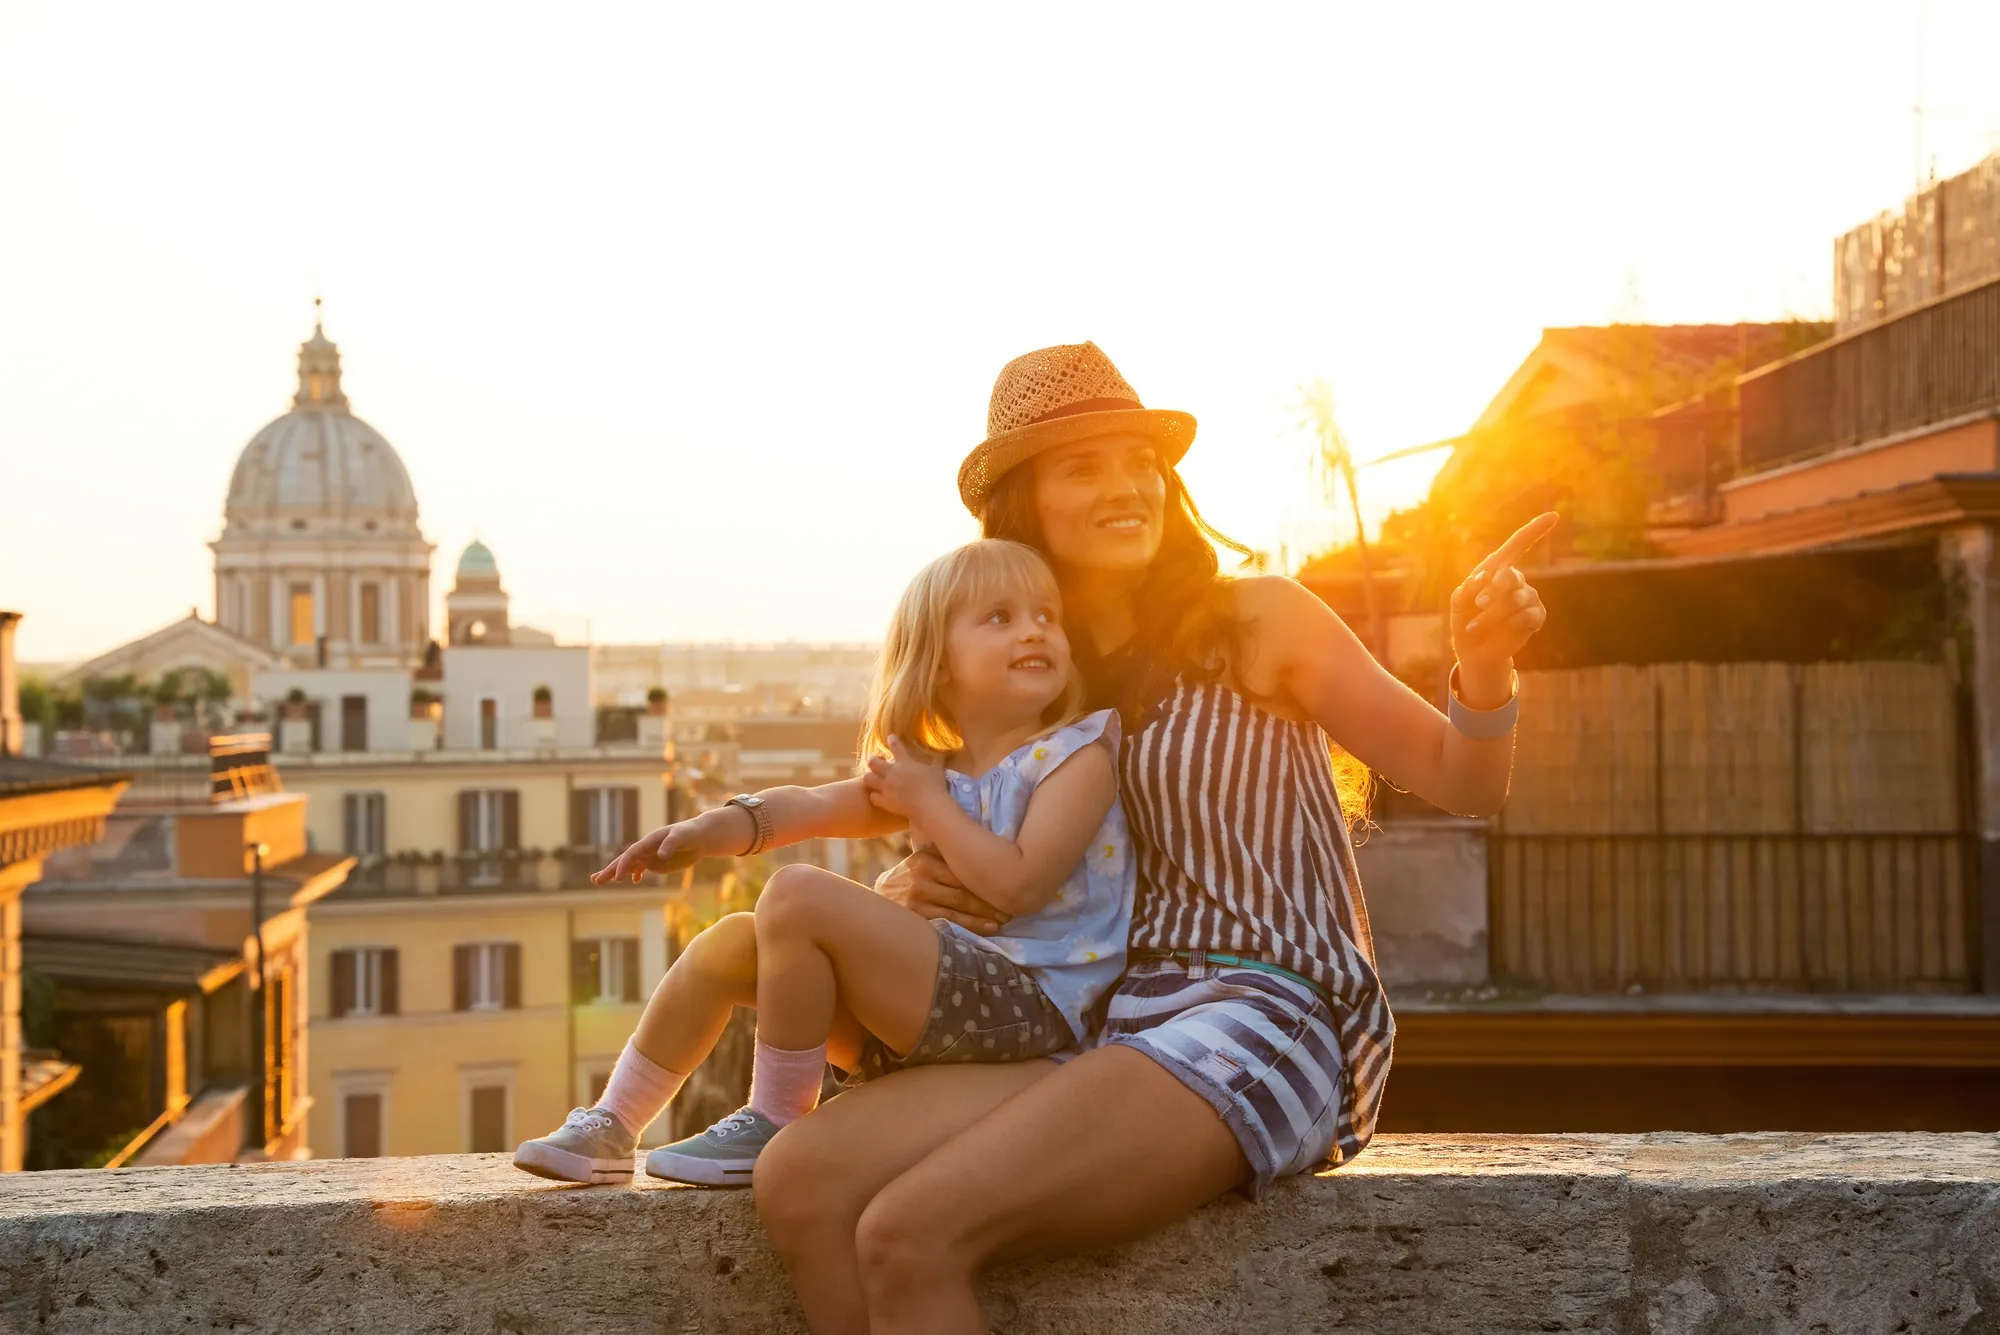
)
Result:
{"points": [[760, 815]]}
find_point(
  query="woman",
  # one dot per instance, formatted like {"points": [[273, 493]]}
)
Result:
{"points": [[1249, 1037]]}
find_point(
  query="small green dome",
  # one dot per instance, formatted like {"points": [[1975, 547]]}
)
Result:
{"points": [[477, 559]]}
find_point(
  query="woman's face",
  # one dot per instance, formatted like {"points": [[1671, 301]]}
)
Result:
{"points": [[1102, 502]]}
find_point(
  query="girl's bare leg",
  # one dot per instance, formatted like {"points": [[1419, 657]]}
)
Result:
{"points": [[823, 941], [687, 1011], [1108, 1149], [818, 1175], [685, 1016]]}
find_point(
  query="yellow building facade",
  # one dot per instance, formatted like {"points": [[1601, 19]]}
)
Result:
{"points": [[456, 1023]]}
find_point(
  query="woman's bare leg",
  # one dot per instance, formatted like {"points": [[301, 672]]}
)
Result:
{"points": [[817, 1176], [1108, 1149]]}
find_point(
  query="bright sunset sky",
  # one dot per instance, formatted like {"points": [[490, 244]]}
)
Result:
{"points": [[691, 312]]}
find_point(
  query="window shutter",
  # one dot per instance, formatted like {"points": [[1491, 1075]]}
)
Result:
{"points": [[468, 820], [628, 816], [350, 822], [510, 819], [391, 993], [511, 998], [341, 964], [579, 818], [629, 948], [461, 978], [582, 972]]}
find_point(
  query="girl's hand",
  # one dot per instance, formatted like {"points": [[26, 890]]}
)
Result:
{"points": [[669, 848], [902, 784], [1494, 613]]}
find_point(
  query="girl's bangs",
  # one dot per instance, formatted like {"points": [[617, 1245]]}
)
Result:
{"points": [[993, 567]]}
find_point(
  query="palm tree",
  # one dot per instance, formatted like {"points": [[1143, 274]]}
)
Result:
{"points": [[1334, 463]]}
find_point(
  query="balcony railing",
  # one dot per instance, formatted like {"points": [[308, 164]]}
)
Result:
{"points": [[1933, 364], [478, 873]]}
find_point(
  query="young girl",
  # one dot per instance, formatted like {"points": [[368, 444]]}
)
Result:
{"points": [[976, 746]]}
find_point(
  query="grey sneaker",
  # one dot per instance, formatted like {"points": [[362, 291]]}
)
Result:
{"points": [[590, 1146], [721, 1156]]}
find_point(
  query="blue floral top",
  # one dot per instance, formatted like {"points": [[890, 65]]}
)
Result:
{"points": [[1075, 946]]}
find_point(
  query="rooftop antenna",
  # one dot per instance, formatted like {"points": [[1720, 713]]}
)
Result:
{"points": [[1917, 110]]}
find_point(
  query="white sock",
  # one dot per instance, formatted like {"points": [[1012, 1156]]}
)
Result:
{"points": [[784, 1086], [638, 1089]]}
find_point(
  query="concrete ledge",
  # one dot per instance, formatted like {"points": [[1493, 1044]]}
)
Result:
{"points": [[1663, 1234]]}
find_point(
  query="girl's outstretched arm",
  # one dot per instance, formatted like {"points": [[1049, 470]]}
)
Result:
{"points": [[829, 811], [1016, 876]]}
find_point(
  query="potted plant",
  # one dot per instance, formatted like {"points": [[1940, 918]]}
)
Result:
{"points": [[295, 705], [545, 702], [423, 704], [656, 701]]}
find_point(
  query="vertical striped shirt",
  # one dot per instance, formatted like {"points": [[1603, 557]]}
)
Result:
{"points": [[1242, 849]]}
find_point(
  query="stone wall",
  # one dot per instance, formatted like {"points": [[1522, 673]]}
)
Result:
{"points": [[1663, 1234]]}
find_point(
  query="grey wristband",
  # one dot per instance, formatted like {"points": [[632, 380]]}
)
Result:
{"points": [[1482, 725]]}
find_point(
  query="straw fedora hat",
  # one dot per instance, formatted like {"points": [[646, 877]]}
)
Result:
{"points": [[1054, 396]]}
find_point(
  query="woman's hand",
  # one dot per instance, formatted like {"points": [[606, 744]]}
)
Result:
{"points": [[922, 884], [1494, 613], [669, 848], [902, 784]]}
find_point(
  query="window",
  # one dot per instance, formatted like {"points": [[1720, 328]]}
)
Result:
{"points": [[489, 723], [302, 614], [486, 1112], [603, 817], [489, 824], [365, 824], [361, 1126], [604, 968], [371, 613], [486, 976], [596, 1082], [354, 723], [364, 982]]}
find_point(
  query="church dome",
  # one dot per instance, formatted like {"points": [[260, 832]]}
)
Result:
{"points": [[477, 559], [319, 468]]}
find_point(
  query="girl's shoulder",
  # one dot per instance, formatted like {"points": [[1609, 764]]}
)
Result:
{"points": [[1038, 759]]}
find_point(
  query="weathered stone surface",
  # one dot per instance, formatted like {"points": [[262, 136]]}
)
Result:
{"points": [[1663, 1234]]}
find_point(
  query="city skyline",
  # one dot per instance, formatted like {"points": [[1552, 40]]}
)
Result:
{"points": [[688, 360]]}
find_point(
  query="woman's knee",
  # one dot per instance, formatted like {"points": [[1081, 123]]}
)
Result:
{"points": [[904, 1242], [797, 1186]]}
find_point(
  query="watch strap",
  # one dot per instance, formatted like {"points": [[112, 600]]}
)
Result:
{"points": [[760, 817]]}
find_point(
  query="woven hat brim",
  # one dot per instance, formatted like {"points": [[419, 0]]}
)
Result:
{"points": [[999, 455]]}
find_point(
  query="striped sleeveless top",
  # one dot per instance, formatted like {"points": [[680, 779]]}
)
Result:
{"points": [[1242, 849]]}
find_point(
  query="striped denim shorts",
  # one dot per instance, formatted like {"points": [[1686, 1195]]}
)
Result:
{"points": [[1260, 1047]]}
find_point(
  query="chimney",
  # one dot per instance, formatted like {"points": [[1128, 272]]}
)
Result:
{"points": [[10, 688]]}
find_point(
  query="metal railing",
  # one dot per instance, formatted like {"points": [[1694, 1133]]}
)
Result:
{"points": [[1936, 363], [478, 873]]}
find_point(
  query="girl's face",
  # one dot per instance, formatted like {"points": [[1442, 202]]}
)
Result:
{"points": [[1102, 502], [1006, 658]]}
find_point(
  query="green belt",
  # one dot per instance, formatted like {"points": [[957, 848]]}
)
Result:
{"points": [[1239, 962]]}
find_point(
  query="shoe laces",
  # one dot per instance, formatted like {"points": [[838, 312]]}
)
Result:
{"points": [[740, 1120], [586, 1119]]}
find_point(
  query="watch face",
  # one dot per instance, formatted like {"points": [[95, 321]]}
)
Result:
{"points": [[748, 801]]}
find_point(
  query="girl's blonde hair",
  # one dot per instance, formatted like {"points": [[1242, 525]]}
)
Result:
{"points": [[909, 676]]}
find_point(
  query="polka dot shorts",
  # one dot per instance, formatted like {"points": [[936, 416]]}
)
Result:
{"points": [[985, 1008]]}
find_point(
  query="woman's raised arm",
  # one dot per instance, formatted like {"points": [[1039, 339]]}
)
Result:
{"points": [[1296, 643]]}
